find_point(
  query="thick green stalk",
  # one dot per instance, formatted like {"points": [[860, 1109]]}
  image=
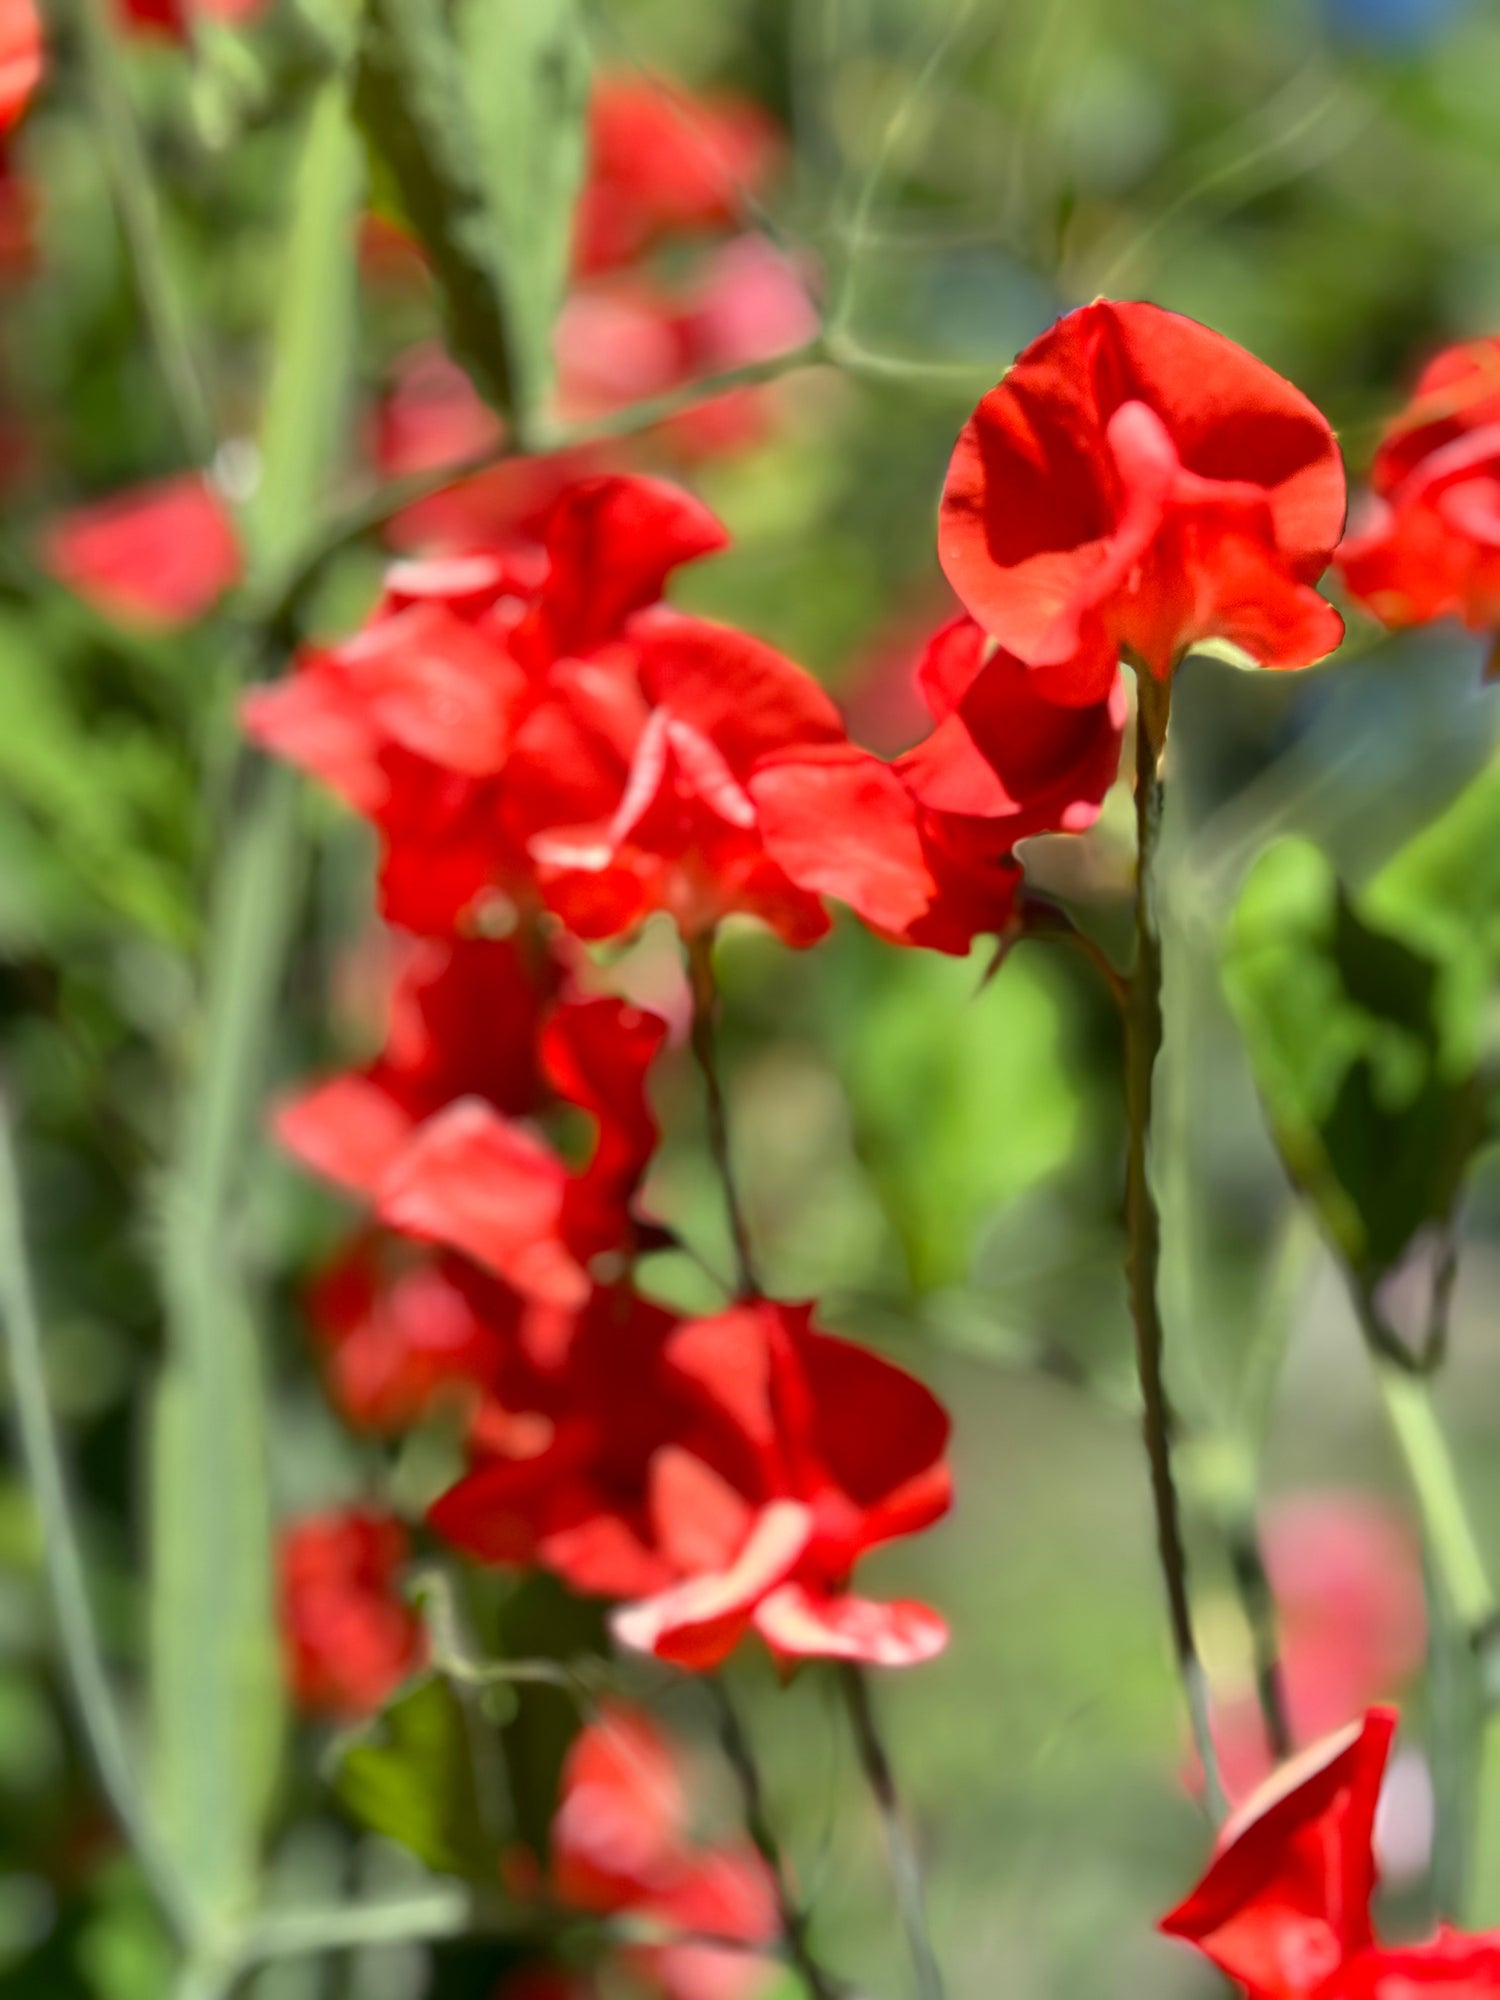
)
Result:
{"points": [[1143, 1041], [98, 1711]]}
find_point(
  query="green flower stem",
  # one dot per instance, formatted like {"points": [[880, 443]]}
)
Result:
{"points": [[1143, 1041], [871, 1751], [1457, 1560], [705, 1040], [906, 1869], [793, 1917], [140, 223], [98, 1711]]}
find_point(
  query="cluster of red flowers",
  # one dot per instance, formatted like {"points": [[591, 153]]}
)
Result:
{"points": [[1285, 1906]]}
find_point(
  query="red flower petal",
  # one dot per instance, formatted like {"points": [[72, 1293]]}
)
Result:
{"points": [[799, 1623], [158, 555], [349, 1129], [1286, 1900], [697, 1624], [478, 1183]]}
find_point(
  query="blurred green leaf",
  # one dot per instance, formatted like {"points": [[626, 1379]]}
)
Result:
{"points": [[962, 1098], [411, 102], [412, 1777], [527, 62], [1348, 1040], [313, 337]]}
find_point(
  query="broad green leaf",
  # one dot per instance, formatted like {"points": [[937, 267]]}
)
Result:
{"points": [[1441, 892], [215, 1671], [961, 1096], [1345, 1026], [412, 1777], [313, 336], [412, 103], [527, 64]]}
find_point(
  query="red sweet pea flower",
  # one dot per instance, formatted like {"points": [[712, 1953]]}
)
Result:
{"points": [[22, 53], [1139, 483], [1285, 1906], [475, 1181], [398, 1338], [1426, 545], [159, 555], [350, 1639], [921, 848], [682, 832], [464, 1020], [622, 1842], [488, 692], [848, 1454], [572, 1491], [661, 163]]}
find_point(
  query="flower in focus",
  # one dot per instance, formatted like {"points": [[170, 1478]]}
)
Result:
{"points": [[22, 53], [664, 163], [1284, 1908], [622, 1844], [848, 1453], [529, 723], [349, 1637], [1138, 483], [159, 556], [1426, 543], [922, 848]]}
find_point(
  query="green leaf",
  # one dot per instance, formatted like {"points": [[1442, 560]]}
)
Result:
{"points": [[527, 63], [412, 1777], [1347, 1035], [412, 104], [313, 338]]}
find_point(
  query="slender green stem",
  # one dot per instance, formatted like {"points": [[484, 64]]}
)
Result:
{"points": [[1253, 1587], [705, 1039], [906, 1869], [98, 1711], [1453, 1548], [140, 222], [793, 1917], [1143, 1040], [377, 508]]}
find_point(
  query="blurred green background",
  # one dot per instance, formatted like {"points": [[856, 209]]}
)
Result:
{"points": [[935, 1157]]}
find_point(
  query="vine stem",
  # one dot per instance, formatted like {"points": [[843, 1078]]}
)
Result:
{"points": [[874, 1760], [1143, 1041], [792, 1916], [705, 1038], [98, 1711], [1258, 1604], [906, 1869]]}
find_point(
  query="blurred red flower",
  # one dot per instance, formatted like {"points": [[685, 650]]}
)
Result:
{"points": [[1137, 482], [1284, 1908], [848, 1453], [622, 1843], [22, 58], [173, 18], [1426, 543], [22, 54], [349, 1637], [465, 1018], [159, 555], [1346, 1578], [473, 1180], [564, 1453], [663, 162]]}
